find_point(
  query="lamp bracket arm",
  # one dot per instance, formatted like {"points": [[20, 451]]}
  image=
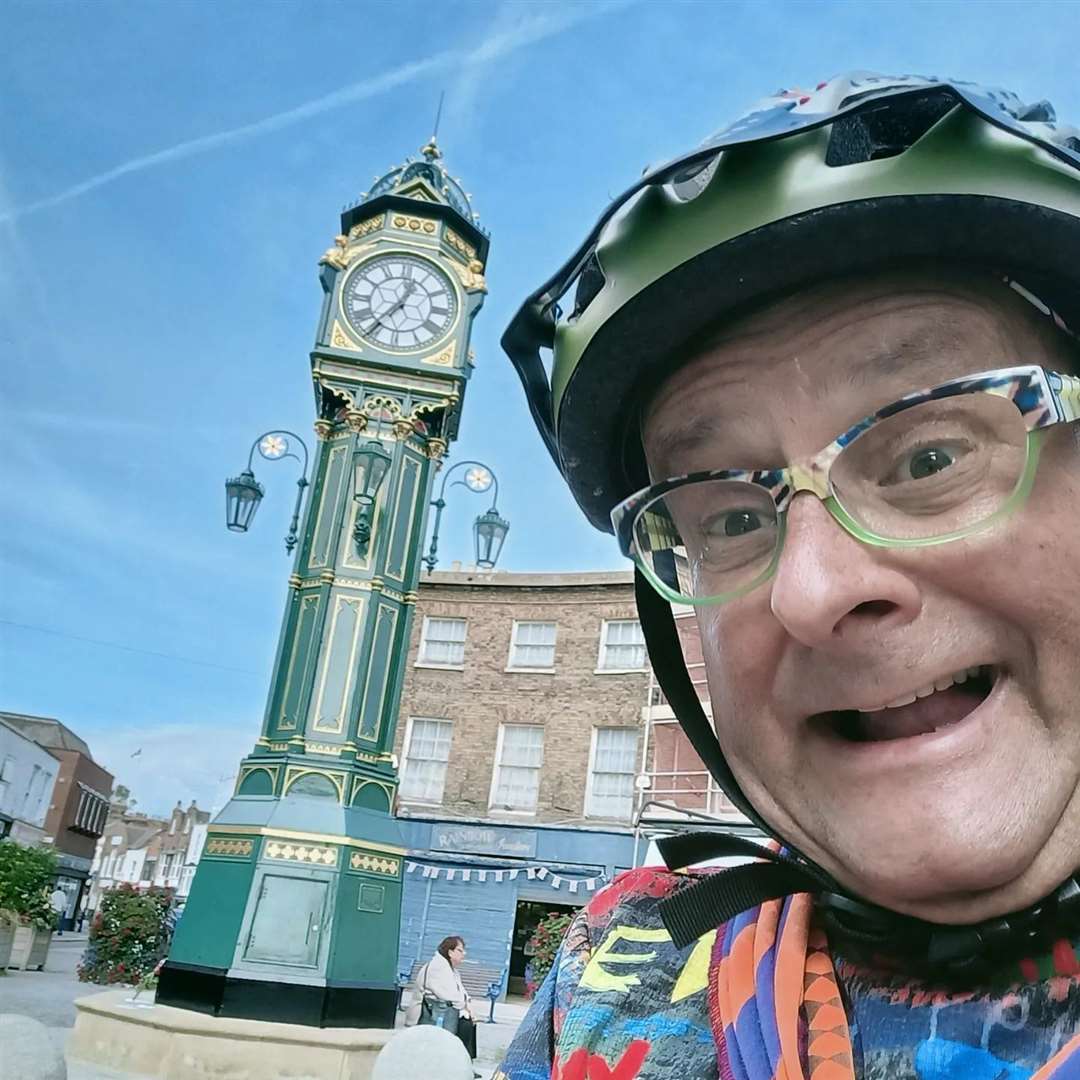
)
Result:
{"points": [[280, 431]]}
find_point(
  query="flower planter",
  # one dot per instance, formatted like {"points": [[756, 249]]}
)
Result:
{"points": [[7, 939], [30, 948]]}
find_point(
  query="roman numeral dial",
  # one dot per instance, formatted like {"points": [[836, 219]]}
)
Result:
{"points": [[399, 303]]}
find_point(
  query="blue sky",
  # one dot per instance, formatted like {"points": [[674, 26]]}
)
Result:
{"points": [[170, 174]]}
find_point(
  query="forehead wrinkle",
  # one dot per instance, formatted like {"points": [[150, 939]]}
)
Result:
{"points": [[914, 350]]}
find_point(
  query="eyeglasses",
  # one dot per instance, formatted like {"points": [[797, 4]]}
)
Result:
{"points": [[935, 466]]}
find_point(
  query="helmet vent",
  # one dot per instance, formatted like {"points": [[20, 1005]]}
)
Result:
{"points": [[589, 283], [885, 131]]}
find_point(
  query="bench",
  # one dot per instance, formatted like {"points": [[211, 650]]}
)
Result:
{"points": [[476, 978]]}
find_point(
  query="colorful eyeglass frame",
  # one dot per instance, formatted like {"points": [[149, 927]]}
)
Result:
{"points": [[1043, 398]]}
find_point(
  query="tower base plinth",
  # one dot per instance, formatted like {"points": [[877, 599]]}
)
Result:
{"points": [[335, 1005], [155, 1040]]}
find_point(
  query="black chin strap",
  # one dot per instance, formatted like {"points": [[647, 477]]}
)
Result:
{"points": [[922, 947]]}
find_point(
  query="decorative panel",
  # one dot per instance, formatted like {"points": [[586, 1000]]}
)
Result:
{"points": [[303, 657], [404, 519], [295, 772], [371, 898], [339, 664], [336, 474], [228, 847], [374, 864], [312, 854], [374, 694]]}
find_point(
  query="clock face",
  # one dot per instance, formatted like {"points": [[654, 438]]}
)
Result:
{"points": [[399, 303]]}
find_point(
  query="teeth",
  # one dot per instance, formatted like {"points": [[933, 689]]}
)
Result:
{"points": [[901, 701], [941, 684]]}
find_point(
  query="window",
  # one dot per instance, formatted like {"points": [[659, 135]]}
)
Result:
{"points": [[28, 795], [167, 870], [518, 757], [427, 749], [442, 643], [610, 790], [532, 646], [622, 645], [7, 771]]}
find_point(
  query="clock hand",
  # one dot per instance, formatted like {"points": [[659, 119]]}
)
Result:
{"points": [[397, 307]]}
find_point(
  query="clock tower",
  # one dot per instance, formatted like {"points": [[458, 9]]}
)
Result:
{"points": [[295, 907]]}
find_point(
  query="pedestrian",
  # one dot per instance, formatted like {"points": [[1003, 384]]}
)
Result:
{"points": [[58, 902], [83, 912], [817, 376], [439, 982]]}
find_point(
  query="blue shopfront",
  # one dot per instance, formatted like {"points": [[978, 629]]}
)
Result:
{"points": [[491, 884]]}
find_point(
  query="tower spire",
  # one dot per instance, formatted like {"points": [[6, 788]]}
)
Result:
{"points": [[430, 149]]}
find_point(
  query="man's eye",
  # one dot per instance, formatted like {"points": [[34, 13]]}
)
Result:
{"points": [[927, 461], [733, 523]]}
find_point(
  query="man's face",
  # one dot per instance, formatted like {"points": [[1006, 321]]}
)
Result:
{"points": [[959, 823]]}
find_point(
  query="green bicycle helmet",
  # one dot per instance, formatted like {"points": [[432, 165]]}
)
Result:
{"points": [[862, 171]]}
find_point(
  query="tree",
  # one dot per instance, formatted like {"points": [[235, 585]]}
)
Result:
{"points": [[122, 798], [25, 876]]}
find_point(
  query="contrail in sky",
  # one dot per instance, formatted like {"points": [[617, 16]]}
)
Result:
{"points": [[494, 47]]}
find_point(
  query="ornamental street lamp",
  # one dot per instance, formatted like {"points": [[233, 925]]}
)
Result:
{"points": [[243, 493], [489, 529], [370, 465]]}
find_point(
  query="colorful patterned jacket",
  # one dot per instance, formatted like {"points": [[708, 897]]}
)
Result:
{"points": [[764, 998]]}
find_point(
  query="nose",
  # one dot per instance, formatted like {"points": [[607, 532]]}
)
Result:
{"points": [[830, 590]]}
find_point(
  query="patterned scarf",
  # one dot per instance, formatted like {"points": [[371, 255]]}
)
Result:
{"points": [[775, 1003]]}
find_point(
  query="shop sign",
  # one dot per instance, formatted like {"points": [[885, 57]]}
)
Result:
{"points": [[519, 844]]}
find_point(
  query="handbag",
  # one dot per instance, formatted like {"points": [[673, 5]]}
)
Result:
{"points": [[436, 1012], [439, 1014]]}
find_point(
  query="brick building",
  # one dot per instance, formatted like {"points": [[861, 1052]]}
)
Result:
{"points": [[523, 697], [519, 741], [79, 805]]}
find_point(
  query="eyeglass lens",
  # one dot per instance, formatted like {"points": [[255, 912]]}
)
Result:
{"points": [[932, 470]]}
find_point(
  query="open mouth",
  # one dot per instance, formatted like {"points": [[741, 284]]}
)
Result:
{"points": [[938, 705]]}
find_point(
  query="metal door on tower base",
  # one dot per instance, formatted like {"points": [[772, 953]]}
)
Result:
{"points": [[287, 924]]}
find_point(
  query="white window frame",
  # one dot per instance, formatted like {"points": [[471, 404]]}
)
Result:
{"points": [[406, 751], [514, 645], [496, 771], [589, 809], [600, 656], [421, 659]]}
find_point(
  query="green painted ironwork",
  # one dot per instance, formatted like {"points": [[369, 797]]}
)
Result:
{"points": [[301, 880]]}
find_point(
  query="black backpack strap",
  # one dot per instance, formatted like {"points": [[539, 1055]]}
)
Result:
{"points": [[712, 901]]}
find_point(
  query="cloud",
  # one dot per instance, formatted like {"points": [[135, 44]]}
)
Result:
{"points": [[178, 761], [495, 46]]}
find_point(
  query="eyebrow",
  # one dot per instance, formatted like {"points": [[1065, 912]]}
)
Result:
{"points": [[914, 351]]}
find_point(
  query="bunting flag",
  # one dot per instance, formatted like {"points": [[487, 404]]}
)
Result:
{"points": [[476, 875]]}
